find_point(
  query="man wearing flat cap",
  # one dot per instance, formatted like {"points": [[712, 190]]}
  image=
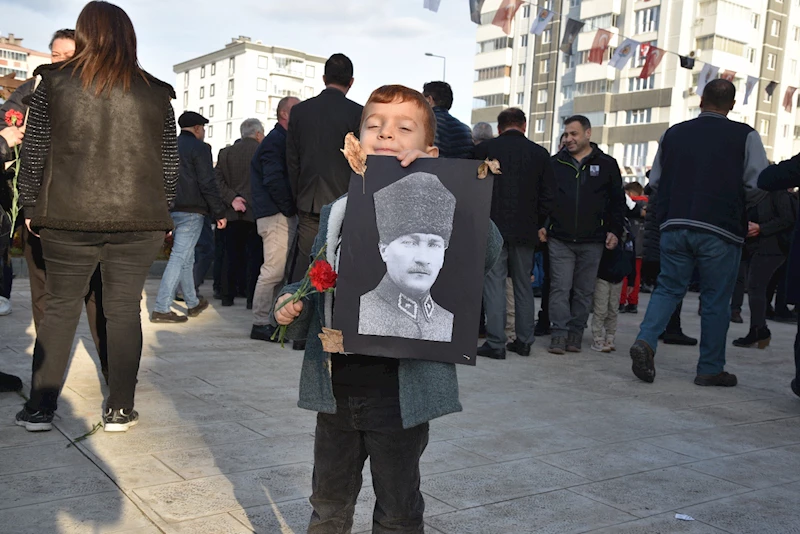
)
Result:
{"points": [[415, 221], [197, 196]]}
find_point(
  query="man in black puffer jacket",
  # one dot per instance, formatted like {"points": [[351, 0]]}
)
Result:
{"points": [[588, 213]]}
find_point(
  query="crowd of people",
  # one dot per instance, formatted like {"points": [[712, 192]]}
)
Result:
{"points": [[714, 213]]}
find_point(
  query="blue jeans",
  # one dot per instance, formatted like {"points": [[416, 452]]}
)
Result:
{"points": [[204, 252], [179, 268], [718, 263]]}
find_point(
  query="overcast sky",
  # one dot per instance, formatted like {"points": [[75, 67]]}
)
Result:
{"points": [[386, 39]]}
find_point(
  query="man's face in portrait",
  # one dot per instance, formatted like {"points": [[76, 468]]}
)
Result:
{"points": [[413, 262]]}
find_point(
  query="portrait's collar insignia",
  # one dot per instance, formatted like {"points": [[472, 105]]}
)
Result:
{"points": [[407, 306], [428, 306]]}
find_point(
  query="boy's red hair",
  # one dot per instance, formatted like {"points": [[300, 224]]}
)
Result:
{"points": [[388, 94]]}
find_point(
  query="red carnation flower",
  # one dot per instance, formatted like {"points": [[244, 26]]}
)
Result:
{"points": [[14, 117], [322, 276]]}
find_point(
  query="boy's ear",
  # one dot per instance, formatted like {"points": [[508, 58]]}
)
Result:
{"points": [[432, 151]]}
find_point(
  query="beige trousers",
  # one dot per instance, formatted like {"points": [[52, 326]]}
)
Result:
{"points": [[606, 306], [277, 234]]}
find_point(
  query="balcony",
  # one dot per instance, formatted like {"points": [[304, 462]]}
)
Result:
{"points": [[292, 73]]}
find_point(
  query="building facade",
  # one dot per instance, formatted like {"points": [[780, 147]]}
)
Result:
{"points": [[244, 80], [759, 38], [16, 59]]}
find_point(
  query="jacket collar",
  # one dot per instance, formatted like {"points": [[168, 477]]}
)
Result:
{"points": [[184, 133], [565, 156], [712, 114], [416, 309], [332, 92], [513, 132], [280, 128]]}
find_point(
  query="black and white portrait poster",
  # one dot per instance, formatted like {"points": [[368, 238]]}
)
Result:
{"points": [[411, 262]]}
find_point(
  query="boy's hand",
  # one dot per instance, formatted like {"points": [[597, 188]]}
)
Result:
{"points": [[288, 313], [407, 157], [543, 235]]}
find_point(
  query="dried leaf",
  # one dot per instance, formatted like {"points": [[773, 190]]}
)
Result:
{"points": [[487, 166], [354, 154], [332, 341]]}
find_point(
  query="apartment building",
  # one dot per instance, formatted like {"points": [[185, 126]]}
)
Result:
{"points": [[15, 58], [758, 38], [245, 79]]}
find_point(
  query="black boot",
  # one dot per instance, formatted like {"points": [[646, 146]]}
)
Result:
{"points": [[756, 337], [10, 383]]}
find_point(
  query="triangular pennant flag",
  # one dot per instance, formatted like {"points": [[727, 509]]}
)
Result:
{"points": [[687, 62], [475, 7], [599, 46], [623, 53], [654, 57], [771, 88], [542, 20], [571, 31], [708, 73], [787, 98], [433, 5], [728, 75], [505, 14], [748, 87]]}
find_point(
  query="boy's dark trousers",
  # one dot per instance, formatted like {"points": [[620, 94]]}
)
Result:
{"points": [[367, 427]]}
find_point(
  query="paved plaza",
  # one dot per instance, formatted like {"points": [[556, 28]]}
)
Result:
{"points": [[550, 444]]}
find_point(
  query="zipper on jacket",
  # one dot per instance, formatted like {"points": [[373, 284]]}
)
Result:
{"points": [[577, 194]]}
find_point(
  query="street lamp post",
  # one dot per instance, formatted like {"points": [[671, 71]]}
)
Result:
{"points": [[444, 64]]}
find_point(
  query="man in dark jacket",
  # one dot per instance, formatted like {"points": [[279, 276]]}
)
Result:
{"points": [[453, 137], [197, 195], [522, 198], [703, 179], [588, 213], [243, 253], [786, 175], [276, 217]]}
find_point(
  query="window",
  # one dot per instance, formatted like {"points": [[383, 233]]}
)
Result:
{"points": [[600, 22], [231, 66], [541, 96], [592, 88], [228, 131], [486, 101], [539, 125], [230, 88], [494, 44], [583, 55], [796, 33], [213, 68], [751, 54], [755, 20], [186, 79], [211, 110], [544, 66], [794, 66], [574, 3], [722, 44], [569, 61], [763, 127], [203, 71], [775, 28], [647, 20], [261, 106], [210, 131], [567, 91], [524, 40], [797, 132], [785, 131], [185, 99], [771, 60], [263, 62], [261, 84], [230, 109], [638, 116], [308, 92], [200, 111], [520, 99], [492, 73], [310, 71], [767, 98], [635, 155], [638, 84], [547, 35], [521, 69], [202, 92], [211, 90], [641, 53], [526, 11]]}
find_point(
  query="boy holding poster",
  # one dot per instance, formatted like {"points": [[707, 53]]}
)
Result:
{"points": [[371, 406]]}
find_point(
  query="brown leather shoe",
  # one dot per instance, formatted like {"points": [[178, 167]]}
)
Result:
{"points": [[202, 305], [169, 317], [722, 379]]}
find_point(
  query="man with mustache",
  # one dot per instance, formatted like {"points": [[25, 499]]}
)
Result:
{"points": [[415, 221]]}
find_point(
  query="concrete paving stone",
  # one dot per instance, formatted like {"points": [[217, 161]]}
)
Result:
{"points": [[34, 487], [441, 431], [224, 493], [16, 436], [655, 492], [609, 461], [738, 413], [300, 422], [131, 472], [441, 456], [243, 456], [757, 469], [39, 457], [527, 443], [627, 427], [103, 512], [498, 482], [217, 524], [145, 441], [660, 524], [11, 399], [546, 513], [767, 511]]}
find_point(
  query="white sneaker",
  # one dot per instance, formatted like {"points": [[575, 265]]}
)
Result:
{"points": [[610, 343], [5, 306], [599, 345]]}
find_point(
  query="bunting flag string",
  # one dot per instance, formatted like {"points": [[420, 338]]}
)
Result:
{"points": [[505, 14]]}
